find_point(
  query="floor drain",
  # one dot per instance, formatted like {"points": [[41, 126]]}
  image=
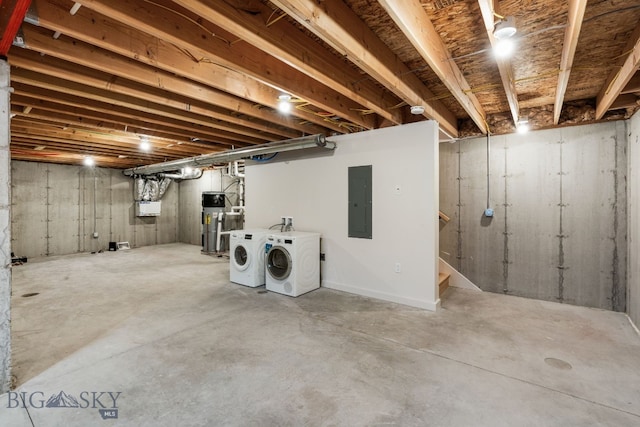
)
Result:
{"points": [[262, 292], [30, 294], [557, 363]]}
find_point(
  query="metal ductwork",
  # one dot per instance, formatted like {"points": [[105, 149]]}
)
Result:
{"points": [[231, 155], [185, 173]]}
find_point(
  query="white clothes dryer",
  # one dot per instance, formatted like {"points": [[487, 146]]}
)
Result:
{"points": [[293, 262], [247, 257]]}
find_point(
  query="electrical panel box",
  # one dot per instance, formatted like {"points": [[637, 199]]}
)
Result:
{"points": [[145, 208], [360, 202]]}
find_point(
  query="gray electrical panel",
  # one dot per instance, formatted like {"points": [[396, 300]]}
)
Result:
{"points": [[360, 201]]}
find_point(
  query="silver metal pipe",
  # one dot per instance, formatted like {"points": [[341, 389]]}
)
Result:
{"points": [[311, 141]]}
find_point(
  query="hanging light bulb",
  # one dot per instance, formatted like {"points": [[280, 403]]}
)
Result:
{"points": [[89, 161], [145, 145], [504, 31], [523, 125], [284, 105], [504, 48]]}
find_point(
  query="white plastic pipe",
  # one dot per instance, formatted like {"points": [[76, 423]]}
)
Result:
{"points": [[219, 230]]}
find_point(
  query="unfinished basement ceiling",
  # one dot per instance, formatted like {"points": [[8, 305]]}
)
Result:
{"points": [[200, 76]]}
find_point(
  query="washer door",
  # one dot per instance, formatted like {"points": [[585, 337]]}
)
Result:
{"points": [[279, 263], [241, 258]]}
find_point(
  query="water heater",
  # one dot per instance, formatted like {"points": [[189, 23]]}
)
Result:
{"points": [[213, 203]]}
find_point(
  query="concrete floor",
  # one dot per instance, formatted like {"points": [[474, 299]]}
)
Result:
{"points": [[184, 346]]}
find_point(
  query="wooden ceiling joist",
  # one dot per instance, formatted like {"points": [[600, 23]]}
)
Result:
{"points": [[488, 9], [414, 22], [63, 70], [79, 53], [619, 77], [571, 34], [204, 45], [136, 105], [44, 95], [132, 48], [284, 41], [338, 25]]}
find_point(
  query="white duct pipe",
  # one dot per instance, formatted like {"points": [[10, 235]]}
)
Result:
{"points": [[185, 173], [241, 193], [236, 171], [219, 230], [241, 153]]}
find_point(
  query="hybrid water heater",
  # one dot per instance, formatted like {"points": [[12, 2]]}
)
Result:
{"points": [[213, 207]]}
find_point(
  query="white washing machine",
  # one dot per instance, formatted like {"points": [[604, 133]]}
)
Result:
{"points": [[293, 262], [247, 257]]}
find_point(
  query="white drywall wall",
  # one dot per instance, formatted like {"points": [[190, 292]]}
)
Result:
{"points": [[313, 189]]}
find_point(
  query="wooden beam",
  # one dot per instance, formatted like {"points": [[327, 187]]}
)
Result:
{"points": [[103, 37], [84, 54], [86, 103], [286, 42], [135, 104], [75, 115], [414, 22], [64, 70], [504, 65], [619, 77], [624, 101], [203, 45], [335, 23], [176, 147], [634, 84], [571, 34], [11, 15]]}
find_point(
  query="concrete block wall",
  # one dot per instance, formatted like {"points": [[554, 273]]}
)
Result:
{"points": [[560, 225], [5, 231], [53, 210], [190, 202], [633, 282]]}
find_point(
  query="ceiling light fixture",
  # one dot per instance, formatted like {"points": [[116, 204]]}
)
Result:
{"points": [[504, 48], [417, 110], [503, 31], [505, 28], [284, 104], [89, 161], [145, 145], [523, 125]]}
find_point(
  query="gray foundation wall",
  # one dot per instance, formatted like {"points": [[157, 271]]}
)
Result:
{"points": [[633, 282], [5, 231], [190, 230], [53, 210], [560, 225]]}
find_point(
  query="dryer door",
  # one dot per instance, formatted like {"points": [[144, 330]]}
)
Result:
{"points": [[279, 263], [241, 257]]}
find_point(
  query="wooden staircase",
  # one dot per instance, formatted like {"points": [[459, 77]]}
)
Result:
{"points": [[443, 283]]}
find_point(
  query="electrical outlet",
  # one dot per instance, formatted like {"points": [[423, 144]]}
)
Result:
{"points": [[289, 222], [322, 257], [283, 220], [397, 268]]}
